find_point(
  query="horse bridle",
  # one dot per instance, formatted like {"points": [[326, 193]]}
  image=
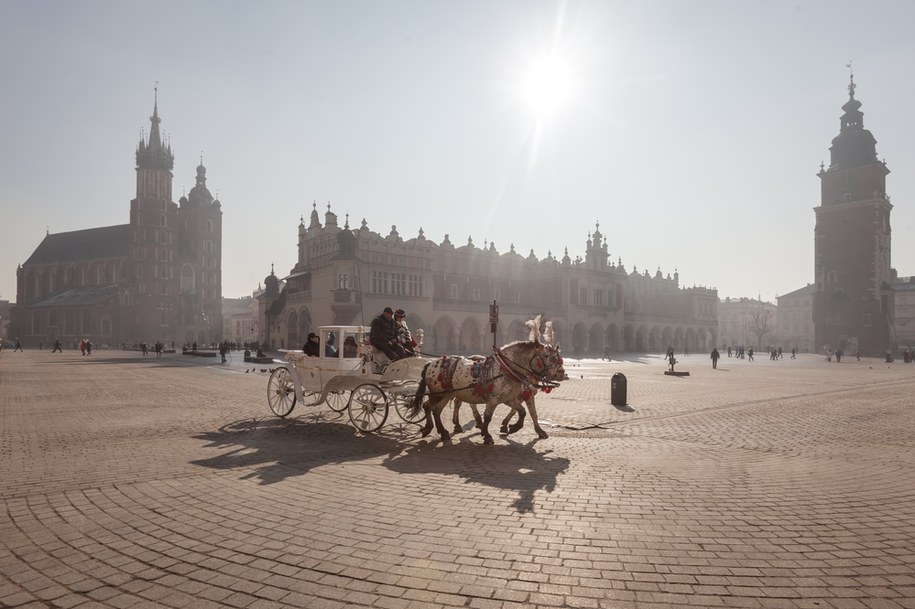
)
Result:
{"points": [[525, 374]]}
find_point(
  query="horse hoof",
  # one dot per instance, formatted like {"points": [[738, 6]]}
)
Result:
{"points": [[446, 436], [504, 429], [543, 435], [425, 432], [514, 428], [458, 429], [488, 440]]}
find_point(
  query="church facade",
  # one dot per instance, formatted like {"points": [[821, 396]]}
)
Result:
{"points": [[347, 276], [853, 295], [156, 278]]}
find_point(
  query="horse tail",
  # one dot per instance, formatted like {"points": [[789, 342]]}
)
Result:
{"points": [[420, 392]]}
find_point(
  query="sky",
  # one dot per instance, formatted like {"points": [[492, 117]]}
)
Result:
{"points": [[692, 131]]}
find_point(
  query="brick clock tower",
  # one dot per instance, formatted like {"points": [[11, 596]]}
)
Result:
{"points": [[853, 301]]}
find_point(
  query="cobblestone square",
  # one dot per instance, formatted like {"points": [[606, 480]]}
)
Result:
{"points": [[131, 481]]}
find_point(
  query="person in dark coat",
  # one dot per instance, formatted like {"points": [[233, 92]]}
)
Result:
{"points": [[312, 346], [715, 356], [383, 335]]}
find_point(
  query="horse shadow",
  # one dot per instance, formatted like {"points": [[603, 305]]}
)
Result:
{"points": [[513, 466], [275, 449]]}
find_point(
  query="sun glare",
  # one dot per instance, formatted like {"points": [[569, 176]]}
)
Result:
{"points": [[547, 86]]}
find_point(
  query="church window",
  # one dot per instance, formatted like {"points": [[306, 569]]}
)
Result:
{"points": [[416, 285], [517, 296], [598, 297], [209, 226], [475, 293], [162, 219], [398, 286], [187, 279], [454, 290], [380, 282], [343, 281], [583, 296]]}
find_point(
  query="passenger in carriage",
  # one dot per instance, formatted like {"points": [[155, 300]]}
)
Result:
{"points": [[312, 347], [404, 337], [329, 349], [350, 349], [383, 335]]}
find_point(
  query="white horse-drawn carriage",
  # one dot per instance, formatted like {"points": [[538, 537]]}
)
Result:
{"points": [[351, 375], [348, 375]]}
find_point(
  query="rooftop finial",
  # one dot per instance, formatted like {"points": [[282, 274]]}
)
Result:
{"points": [[851, 79]]}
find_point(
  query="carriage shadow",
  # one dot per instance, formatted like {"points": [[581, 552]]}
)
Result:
{"points": [[511, 466], [276, 449]]}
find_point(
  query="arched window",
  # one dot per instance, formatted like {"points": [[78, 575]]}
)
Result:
{"points": [[187, 279]]}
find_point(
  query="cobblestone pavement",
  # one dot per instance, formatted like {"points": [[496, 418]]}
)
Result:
{"points": [[140, 482]]}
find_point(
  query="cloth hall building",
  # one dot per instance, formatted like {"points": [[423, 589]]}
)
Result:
{"points": [[346, 276], [156, 278]]}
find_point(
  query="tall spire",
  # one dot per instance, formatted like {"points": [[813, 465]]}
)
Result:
{"points": [[152, 152], [855, 146]]}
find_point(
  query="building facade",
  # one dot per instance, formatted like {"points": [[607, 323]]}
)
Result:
{"points": [[156, 278], [747, 322], [795, 319], [904, 314], [347, 276], [853, 298]]}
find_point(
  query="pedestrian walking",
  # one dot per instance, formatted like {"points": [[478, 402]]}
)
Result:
{"points": [[57, 348], [715, 355], [18, 346]]}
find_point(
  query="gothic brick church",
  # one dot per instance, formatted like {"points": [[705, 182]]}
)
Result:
{"points": [[156, 278], [853, 295]]}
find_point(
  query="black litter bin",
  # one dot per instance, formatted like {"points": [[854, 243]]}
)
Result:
{"points": [[618, 389]]}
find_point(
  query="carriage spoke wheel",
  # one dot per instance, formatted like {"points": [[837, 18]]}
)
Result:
{"points": [[337, 400], [403, 405], [368, 408], [281, 392]]}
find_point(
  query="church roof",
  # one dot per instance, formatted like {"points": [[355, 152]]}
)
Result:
{"points": [[87, 244], [84, 295]]}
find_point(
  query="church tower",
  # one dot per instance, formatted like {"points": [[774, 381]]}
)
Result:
{"points": [[153, 239], [852, 302]]}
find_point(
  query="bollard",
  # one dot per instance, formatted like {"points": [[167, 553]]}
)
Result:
{"points": [[618, 389]]}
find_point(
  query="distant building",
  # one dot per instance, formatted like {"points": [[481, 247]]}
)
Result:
{"points": [[904, 315], [238, 319], [747, 322], [157, 278], [5, 307], [853, 299], [795, 319], [347, 276]]}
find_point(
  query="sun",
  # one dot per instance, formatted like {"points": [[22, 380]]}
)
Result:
{"points": [[547, 86]]}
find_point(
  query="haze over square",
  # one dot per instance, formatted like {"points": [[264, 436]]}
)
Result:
{"points": [[693, 132]]}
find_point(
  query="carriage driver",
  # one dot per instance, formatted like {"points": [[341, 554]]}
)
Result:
{"points": [[383, 335]]}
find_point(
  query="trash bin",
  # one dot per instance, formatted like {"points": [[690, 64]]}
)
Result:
{"points": [[618, 389], [889, 356]]}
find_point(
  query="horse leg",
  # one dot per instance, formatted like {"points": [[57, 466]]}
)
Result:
{"points": [[504, 427], [437, 415], [519, 408], [427, 409], [476, 416], [487, 417], [455, 420], [532, 408]]}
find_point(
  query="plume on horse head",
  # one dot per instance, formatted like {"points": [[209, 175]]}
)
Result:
{"points": [[548, 333], [534, 325]]}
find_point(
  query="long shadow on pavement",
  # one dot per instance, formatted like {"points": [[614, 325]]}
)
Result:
{"points": [[281, 448], [512, 466]]}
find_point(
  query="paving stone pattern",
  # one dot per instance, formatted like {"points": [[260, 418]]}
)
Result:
{"points": [[130, 481]]}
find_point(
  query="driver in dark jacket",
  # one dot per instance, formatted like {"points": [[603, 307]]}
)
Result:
{"points": [[383, 335]]}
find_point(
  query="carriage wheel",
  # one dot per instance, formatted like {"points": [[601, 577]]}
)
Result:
{"points": [[368, 408], [337, 400], [403, 405], [281, 392]]}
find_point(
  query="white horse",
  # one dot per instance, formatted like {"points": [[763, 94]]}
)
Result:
{"points": [[511, 375], [554, 375]]}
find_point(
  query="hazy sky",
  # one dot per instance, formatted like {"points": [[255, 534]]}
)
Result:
{"points": [[692, 131]]}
